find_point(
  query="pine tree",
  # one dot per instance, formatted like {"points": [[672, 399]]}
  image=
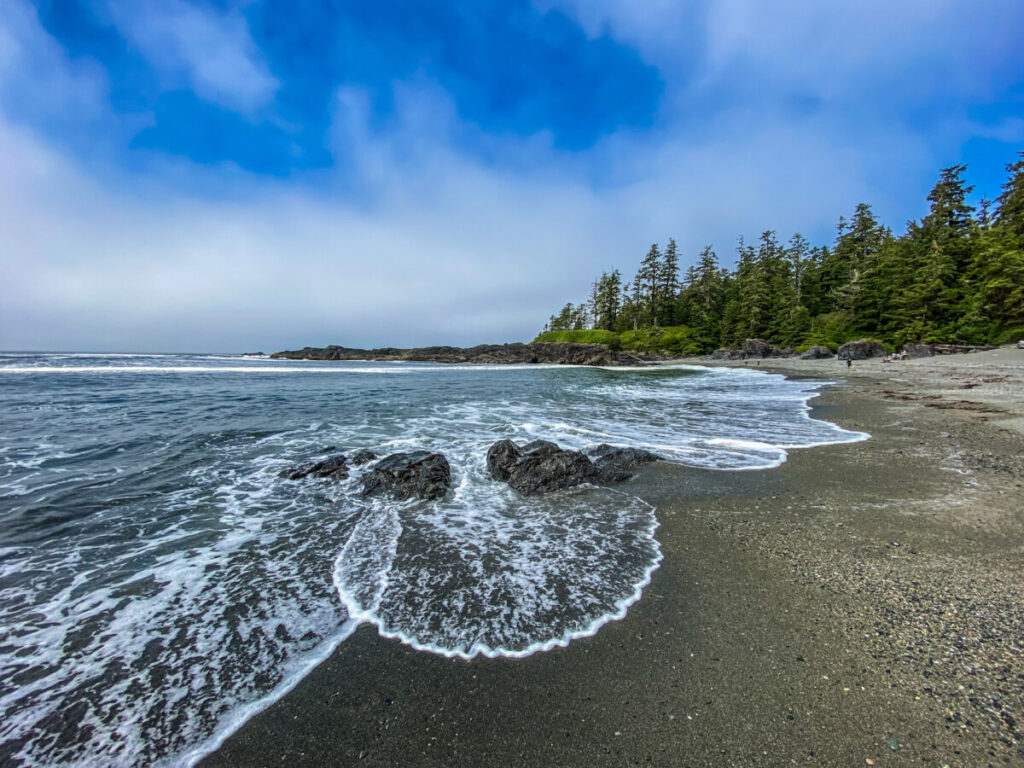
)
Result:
{"points": [[563, 320], [951, 276], [949, 221], [854, 253], [999, 260], [705, 300], [668, 284], [648, 282], [926, 308], [753, 293], [606, 297], [797, 320], [579, 318], [1011, 202], [633, 311]]}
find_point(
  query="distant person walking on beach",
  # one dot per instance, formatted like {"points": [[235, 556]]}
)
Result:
{"points": [[849, 363]]}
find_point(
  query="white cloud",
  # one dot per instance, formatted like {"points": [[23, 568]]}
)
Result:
{"points": [[908, 50], [413, 239], [653, 25], [212, 52], [437, 247], [36, 73], [913, 49]]}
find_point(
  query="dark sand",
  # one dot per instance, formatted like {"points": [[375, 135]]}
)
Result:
{"points": [[862, 604]]}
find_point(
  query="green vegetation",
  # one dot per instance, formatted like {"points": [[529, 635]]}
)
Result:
{"points": [[593, 336], [957, 275], [678, 339]]}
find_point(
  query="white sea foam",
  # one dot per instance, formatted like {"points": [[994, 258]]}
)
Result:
{"points": [[200, 602], [497, 575], [324, 368], [177, 614]]}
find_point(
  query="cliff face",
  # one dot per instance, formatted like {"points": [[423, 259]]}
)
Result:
{"points": [[561, 354]]}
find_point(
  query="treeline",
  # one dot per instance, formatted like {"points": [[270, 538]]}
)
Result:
{"points": [[957, 275]]}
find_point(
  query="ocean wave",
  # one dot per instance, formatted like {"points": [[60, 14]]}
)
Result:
{"points": [[160, 583]]}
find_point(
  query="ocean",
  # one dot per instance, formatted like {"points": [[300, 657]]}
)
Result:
{"points": [[160, 582]]}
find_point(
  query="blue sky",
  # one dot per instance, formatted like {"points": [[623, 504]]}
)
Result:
{"points": [[191, 175]]}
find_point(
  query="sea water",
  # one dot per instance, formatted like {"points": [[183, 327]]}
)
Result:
{"points": [[160, 582]]}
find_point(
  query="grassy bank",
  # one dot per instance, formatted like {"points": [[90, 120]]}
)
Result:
{"points": [[677, 339]]}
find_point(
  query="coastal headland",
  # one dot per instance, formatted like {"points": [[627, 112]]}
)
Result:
{"points": [[557, 353], [494, 354], [859, 605]]}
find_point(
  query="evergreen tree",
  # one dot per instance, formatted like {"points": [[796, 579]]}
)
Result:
{"points": [[752, 295], [952, 276], [927, 306], [606, 297], [705, 299], [668, 284], [854, 253], [648, 283], [579, 318], [1011, 202], [563, 320], [796, 322], [1001, 282]]}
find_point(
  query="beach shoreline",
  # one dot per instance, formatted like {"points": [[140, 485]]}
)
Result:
{"points": [[862, 602]]}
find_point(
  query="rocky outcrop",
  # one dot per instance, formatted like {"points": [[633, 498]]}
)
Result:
{"points": [[622, 458], [757, 348], [543, 466], [333, 467], [861, 349], [499, 354], [414, 475], [726, 353], [501, 458], [817, 352], [752, 349], [363, 456]]}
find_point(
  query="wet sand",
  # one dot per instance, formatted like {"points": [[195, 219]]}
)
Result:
{"points": [[861, 604]]}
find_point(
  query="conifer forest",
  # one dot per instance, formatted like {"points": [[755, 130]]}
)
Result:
{"points": [[955, 276]]}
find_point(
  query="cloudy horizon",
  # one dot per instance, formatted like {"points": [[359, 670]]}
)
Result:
{"points": [[180, 175]]}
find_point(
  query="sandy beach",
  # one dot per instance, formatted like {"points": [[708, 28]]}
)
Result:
{"points": [[862, 604]]}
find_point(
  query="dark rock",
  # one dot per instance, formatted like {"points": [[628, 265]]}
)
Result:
{"points": [[758, 348], [333, 467], [542, 466], [817, 352], [623, 458], [861, 349], [918, 350], [558, 353], [726, 353], [752, 349], [540, 445], [606, 473], [501, 457], [419, 475], [363, 456]]}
